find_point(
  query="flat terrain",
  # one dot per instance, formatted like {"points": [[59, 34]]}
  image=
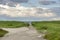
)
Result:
{"points": [[12, 24], [50, 28], [23, 33]]}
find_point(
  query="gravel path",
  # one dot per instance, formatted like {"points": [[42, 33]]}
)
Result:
{"points": [[23, 33]]}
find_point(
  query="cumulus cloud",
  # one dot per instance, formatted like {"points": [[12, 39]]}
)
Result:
{"points": [[20, 11], [4, 6]]}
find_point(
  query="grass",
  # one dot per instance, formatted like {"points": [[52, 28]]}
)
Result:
{"points": [[2, 32], [12, 24], [52, 27]]}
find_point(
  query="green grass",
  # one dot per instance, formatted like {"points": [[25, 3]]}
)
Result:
{"points": [[12, 24], [52, 27], [2, 32]]}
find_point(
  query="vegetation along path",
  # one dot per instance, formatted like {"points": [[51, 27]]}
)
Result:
{"points": [[23, 33]]}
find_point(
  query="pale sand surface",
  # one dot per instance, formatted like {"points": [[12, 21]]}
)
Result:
{"points": [[22, 33]]}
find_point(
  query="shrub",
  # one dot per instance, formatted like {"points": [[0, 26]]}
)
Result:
{"points": [[44, 27]]}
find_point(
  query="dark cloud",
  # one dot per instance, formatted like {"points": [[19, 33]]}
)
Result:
{"points": [[19, 1], [12, 3], [4, 1], [47, 2]]}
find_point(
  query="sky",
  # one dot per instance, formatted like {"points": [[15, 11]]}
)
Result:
{"points": [[29, 10]]}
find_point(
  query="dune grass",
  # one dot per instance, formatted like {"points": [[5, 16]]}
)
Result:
{"points": [[3, 32], [12, 24], [52, 27]]}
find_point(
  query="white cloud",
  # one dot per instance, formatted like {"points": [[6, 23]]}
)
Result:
{"points": [[20, 11], [4, 6], [56, 18]]}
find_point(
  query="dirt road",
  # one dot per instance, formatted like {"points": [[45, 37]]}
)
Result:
{"points": [[23, 33]]}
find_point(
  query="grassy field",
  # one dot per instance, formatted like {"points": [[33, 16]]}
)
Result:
{"points": [[2, 32], [52, 28], [12, 24]]}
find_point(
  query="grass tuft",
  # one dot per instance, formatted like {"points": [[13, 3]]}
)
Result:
{"points": [[3, 32]]}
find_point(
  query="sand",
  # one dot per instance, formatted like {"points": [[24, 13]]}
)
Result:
{"points": [[23, 33]]}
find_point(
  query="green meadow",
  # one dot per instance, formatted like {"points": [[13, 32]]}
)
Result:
{"points": [[12, 24], [52, 29]]}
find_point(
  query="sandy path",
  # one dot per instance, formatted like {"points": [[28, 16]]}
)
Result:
{"points": [[23, 33]]}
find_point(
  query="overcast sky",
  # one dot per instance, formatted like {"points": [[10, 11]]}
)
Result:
{"points": [[29, 10]]}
